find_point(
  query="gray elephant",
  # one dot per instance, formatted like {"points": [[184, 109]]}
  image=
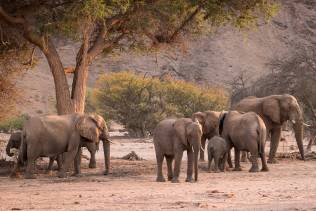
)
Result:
{"points": [[245, 132], [209, 121], [217, 149], [275, 110], [15, 142], [171, 138], [54, 135]]}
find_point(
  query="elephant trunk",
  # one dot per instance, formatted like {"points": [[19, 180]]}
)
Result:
{"points": [[298, 129], [106, 150], [8, 149], [196, 149]]}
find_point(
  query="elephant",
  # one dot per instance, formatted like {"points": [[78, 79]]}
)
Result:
{"points": [[171, 138], [217, 149], [275, 110], [245, 132], [55, 135], [209, 121], [15, 142]]}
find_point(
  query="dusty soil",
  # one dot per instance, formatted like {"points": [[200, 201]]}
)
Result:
{"points": [[290, 185]]}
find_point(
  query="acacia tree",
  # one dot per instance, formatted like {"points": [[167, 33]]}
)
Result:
{"points": [[102, 25]]}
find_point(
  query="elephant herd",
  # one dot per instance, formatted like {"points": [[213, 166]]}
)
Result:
{"points": [[245, 128]]}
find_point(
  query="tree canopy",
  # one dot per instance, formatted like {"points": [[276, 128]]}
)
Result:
{"points": [[101, 26]]}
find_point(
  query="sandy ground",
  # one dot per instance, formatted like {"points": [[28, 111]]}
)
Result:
{"points": [[290, 185]]}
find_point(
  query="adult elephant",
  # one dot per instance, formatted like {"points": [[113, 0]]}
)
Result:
{"points": [[275, 110], [247, 132], [209, 121], [171, 138], [15, 142], [54, 135]]}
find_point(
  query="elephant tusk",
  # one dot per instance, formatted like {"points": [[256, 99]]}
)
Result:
{"points": [[293, 121], [306, 125], [202, 149], [192, 149]]}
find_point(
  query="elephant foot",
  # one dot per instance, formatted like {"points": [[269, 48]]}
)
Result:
{"points": [[175, 180], [189, 179], [62, 174], [92, 165], [170, 178], [106, 172], [265, 169], [254, 169], [160, 179], [77, 175], [272, 161], [202, 159], [217, 171], [29, 176], [237, 169]]}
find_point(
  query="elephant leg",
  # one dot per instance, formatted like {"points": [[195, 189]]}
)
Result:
{"points": [[254, 162], [223, 162], [264, 162], [50, 166], [92, 150], [210, 158], [216, 163], [159, 158], [243, 156], [29, 174], [237, 162], [229, 159], [275, 139], [77, 163], [68, 160], [190, 166], [203, 141], [59, 160], [177, 166], [169, 165]]}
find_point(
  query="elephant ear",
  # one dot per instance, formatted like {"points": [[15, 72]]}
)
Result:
{"points": [[201, 117], [271, 109], [87, 128], [180, 127]]}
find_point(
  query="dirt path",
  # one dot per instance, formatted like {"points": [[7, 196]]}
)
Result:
{"points": [[290, 185]]}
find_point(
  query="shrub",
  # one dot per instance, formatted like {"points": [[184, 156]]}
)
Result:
{"points": [[15, 123], [140, 102]]}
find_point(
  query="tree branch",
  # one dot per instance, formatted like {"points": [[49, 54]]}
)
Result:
{"points": [[28, 33], [184, 23]]}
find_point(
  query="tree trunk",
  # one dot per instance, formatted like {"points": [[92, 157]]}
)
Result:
{"points": [[64, 104]]}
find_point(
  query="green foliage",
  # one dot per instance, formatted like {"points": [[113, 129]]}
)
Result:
{"points": [[140, 102], [15, 123]]}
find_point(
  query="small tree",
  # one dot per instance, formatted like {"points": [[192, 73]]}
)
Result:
{"points": [[140, 102], [101, 26]]}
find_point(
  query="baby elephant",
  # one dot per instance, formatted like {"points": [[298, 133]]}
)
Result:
{"points": [[217, 149], [171, 138]]}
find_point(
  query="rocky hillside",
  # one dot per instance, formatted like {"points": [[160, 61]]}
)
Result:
{"points": [[214, 59]]}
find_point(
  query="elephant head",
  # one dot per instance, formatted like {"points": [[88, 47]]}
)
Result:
{"points": [[280, 108], [14, 142], [190, 133], [93, 128], [209, 122]]}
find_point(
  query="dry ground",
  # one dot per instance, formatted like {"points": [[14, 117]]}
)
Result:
{"points": [[290, 185]]}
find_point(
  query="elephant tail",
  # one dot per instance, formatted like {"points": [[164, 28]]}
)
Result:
{"points": [[262, 135]]}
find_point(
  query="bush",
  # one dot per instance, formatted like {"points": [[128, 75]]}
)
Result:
{"points": [[15, 123], [140, 102]]}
